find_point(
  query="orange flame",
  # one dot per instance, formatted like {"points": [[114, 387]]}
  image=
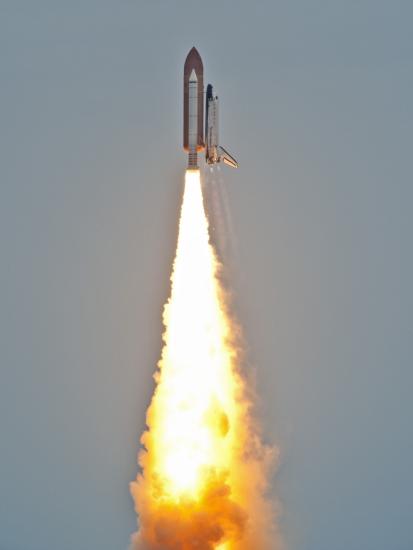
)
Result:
{"points": [[204, 468]]}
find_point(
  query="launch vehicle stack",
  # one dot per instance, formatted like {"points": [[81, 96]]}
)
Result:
{"points": [[194, 139]]}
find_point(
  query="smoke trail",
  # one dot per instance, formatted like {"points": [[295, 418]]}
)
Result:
{"points": [[221, 231], [204, 467]]}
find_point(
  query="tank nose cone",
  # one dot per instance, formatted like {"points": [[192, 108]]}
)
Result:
{"points": [[193, 58]]}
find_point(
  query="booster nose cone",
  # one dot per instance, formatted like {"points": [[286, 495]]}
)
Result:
{"points": [[192, 76]]}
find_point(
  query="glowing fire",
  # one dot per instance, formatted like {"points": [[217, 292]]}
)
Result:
{"points": [[203, 465]]}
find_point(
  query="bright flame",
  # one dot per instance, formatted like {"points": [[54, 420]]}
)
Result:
{"points": [[204, 467]]}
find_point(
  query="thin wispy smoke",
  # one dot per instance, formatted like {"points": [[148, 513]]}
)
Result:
{"points": [[221, 229]]}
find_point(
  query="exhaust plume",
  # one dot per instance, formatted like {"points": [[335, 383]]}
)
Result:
{"points": [[204, 469]]}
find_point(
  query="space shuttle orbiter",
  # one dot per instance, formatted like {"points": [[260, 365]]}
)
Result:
{"points": [[213, 151]]}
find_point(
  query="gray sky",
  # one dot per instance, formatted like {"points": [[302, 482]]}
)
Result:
{"points": [[316, 104]]}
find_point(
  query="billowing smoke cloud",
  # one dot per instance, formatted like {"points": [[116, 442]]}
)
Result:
{"points": [[204, 469]]}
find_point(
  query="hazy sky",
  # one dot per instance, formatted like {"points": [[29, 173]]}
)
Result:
{"points": [[316, 104]]}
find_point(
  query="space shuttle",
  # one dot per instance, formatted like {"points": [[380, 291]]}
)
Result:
{"points": [[196, 138], [214, 152]]}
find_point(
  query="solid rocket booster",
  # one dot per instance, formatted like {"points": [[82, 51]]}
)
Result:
{"points": [[194, 117], [193, 120]]}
